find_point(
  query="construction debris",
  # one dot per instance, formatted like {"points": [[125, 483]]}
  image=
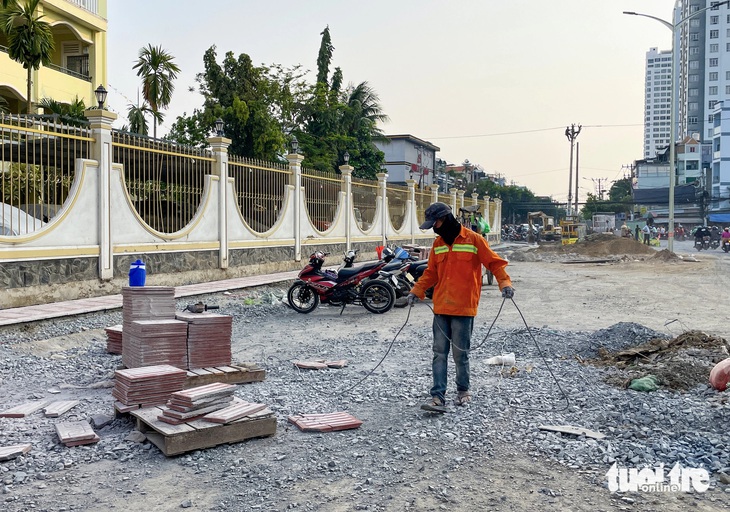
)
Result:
{"points": [[679, 363], [576, 431], [21, 411], [16, 450], [55, 409], [320, 364]]}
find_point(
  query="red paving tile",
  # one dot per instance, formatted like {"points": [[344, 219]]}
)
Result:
{"points": [[14, 316], [325, 422]]}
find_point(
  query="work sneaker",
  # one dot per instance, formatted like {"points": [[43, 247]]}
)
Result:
{"points": [[434, 404]]}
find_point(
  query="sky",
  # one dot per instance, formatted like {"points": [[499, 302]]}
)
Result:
{"points": [[492, 81]]}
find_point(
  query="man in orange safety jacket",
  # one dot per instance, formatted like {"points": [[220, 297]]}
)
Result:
{"points": [[455, 271]]}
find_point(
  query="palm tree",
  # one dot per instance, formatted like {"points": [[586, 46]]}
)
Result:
{"points": [[72, 113], [364, 111], [30, 40], [158, 71], [137, 117]]}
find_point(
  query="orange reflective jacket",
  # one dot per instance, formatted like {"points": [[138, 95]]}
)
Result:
{"points": [[456, 272]]}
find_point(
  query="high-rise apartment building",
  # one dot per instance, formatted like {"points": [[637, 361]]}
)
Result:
{"points": [[657, 94]]}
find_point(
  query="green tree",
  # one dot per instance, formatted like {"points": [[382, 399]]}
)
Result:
{"points": [[335, 121], [30, 40], [189, 130], [251, 100], [158, 72], [619, 200]]}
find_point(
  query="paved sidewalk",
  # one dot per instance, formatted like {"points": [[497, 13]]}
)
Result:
{"points": [[14, 316]]}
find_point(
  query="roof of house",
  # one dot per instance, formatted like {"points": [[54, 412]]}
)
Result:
{"points": [[415, 140]]}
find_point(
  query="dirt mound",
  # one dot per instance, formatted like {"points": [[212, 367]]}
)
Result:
{"points": [[680, 363], [666, 255], [601, 244]]}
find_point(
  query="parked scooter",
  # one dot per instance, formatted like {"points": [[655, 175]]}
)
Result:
{"points": [[351, 285]]}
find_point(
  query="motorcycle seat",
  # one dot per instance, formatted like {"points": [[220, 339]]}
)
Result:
{"points": [[393, 265], [346, 273]]}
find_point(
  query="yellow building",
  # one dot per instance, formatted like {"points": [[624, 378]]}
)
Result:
{"points": [[79, 59]]}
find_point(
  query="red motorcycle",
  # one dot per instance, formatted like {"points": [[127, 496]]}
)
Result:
{"points": [[346, 286]]}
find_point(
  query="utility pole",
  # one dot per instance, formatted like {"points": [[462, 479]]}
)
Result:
{"points": [[577, 158], [571, 133]]}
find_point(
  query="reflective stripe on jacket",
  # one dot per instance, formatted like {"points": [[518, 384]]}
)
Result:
{"points": [[456, 272]]}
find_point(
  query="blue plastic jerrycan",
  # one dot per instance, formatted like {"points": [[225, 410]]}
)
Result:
{"points": [[137, 273]]}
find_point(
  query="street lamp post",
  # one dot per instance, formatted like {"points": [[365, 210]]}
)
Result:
{"points": [[672, 110]]}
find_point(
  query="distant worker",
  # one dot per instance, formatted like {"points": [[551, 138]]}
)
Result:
{"points": [[646, 230], [636, 232], [625, 231]]}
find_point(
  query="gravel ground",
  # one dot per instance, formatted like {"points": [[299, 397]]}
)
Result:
{"points": [[490, 455]]}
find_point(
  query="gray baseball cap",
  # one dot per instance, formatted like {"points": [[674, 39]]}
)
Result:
{"points": [[435, 212]]}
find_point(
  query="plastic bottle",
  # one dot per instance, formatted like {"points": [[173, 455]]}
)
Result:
{"points": [[137, 273]]}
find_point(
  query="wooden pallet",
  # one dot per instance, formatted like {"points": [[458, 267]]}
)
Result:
{"points": [[198, 434], [239, 373]]}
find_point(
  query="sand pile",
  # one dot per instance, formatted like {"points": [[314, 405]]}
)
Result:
{"points": [[665, 255]]}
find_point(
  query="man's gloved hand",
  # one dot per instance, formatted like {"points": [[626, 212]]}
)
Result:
{"points": [[412, 299], [508, 292]]}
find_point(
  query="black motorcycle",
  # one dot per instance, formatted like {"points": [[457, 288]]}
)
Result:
{"points": [[702, 243]]}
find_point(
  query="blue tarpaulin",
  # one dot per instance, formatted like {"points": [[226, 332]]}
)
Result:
{"points": [[720, 217]]}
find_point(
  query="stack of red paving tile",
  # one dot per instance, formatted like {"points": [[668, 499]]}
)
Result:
{"points": [[194, 403], [114, 339], [147, 386], [153, 342], [209, 338], [145, 303]]}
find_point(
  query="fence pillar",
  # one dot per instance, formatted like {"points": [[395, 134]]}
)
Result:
{"points": [[459, 199], [453, 201], [413, 209], [434, 193], [475, 198], [346, 172], [219, 146], [497, 222], [100, 122], [382, 197], [295, 166]]}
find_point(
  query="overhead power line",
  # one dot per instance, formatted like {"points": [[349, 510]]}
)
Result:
{"points": [[532, 131]]}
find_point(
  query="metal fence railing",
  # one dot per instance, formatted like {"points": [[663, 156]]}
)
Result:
{"points": [[397, 203], [321, 191], [259, 188], [445, 198], [164, 180], [364, 201], [37, 168]]}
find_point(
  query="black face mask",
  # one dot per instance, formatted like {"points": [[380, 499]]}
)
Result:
{"points": [[449, 230]]}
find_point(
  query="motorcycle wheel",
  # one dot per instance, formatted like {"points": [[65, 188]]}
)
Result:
{"points": [[401, 293], [377, 296], [302, 298]]}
